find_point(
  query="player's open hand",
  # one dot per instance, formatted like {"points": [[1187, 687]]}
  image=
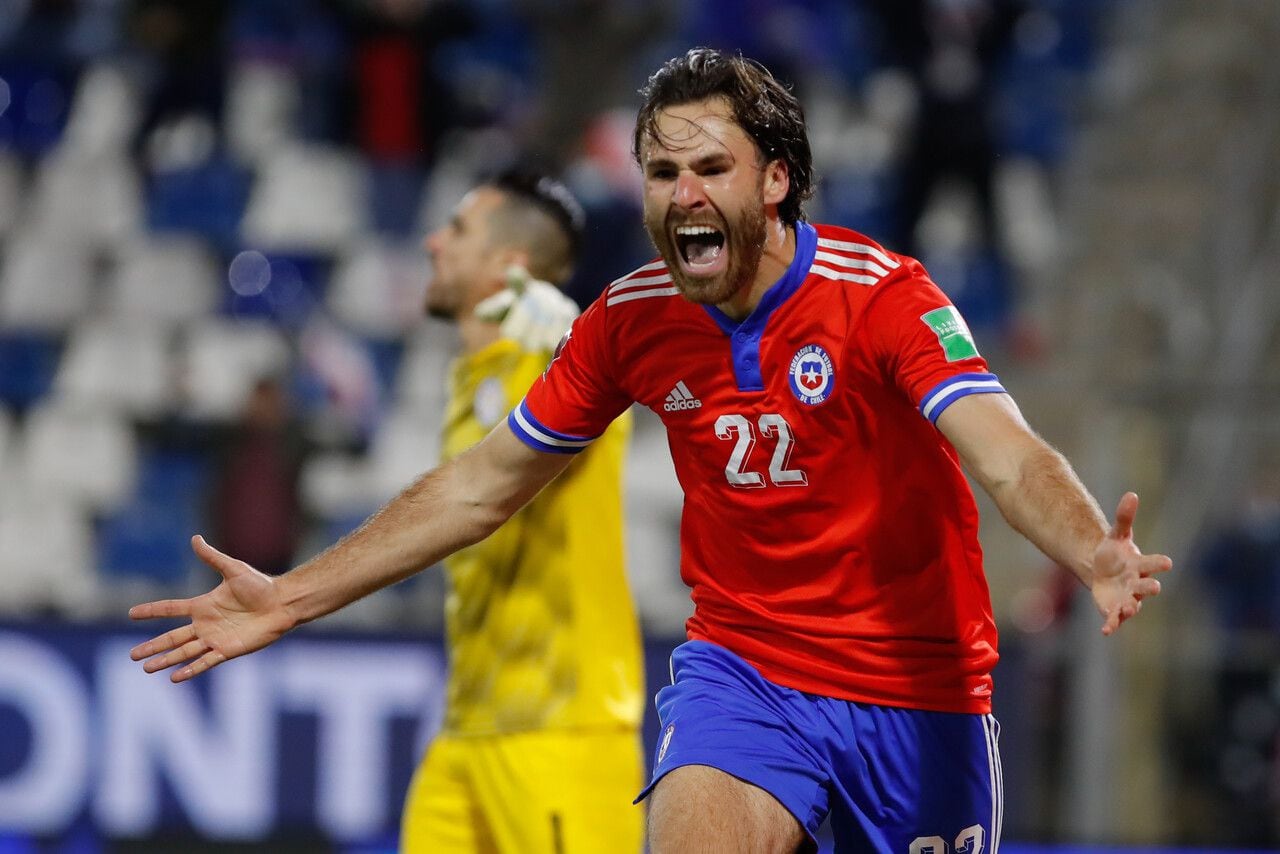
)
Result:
{"points": [[242, 614], [533, 312], [1122, 575]]}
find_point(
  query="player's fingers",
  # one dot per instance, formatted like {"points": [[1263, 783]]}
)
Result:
{"points": [[186, 652], [495, 307], [212, 658], [162, 643], [517, 279], [161, 608], [1126, 512], [1146, 588], [224, 564], [1112, 621], [1151, 564]]}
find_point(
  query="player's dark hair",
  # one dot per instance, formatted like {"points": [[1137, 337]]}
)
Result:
{"points": [[762, 106], [551, 199]]}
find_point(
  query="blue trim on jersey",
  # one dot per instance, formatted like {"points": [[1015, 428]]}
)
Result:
{"points": [[937, 399], [744, 337], [542, 438]]}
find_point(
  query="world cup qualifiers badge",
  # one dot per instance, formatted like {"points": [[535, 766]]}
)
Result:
{"points": [[812, 374]]}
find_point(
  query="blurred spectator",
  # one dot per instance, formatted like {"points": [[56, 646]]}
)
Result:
{"points": [[184, 39], [579, 85], [256, 506], [1241, 562], [952, 50]]}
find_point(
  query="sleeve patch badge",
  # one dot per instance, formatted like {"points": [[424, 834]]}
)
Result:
{"points": [[953, 333]]}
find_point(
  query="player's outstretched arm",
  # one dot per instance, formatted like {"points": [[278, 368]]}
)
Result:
{"points": [[1043, 499], [451, 507]]}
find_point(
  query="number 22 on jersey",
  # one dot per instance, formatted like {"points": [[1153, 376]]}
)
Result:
{"points": [[772, 426]]}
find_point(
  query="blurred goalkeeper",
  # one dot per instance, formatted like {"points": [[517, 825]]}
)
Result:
{"points": [[540, 749]]}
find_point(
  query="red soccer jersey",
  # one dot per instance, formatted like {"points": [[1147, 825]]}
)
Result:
{"points": [[828, 537]]}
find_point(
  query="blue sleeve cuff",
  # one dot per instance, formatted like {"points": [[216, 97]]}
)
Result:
{"points": [[947, 392], [541, 438]]}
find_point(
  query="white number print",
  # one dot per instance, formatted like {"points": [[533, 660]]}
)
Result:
{"points": [[726, 427], [968, 841], [772, 426]]}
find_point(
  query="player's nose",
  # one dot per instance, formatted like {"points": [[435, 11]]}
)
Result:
{"points": [[687, 192], [431, 243]]}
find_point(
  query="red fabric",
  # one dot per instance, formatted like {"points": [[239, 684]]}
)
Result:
{"points": [[865, 582], [390, 74]]}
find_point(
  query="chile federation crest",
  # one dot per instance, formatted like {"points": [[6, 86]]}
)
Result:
{"points": [[812, 374]]}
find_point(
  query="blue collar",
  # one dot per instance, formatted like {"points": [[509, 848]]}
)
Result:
{"points": [[744, 337]]}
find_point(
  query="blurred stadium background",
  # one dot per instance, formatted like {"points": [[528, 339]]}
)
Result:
{"points": [[210, 282]]}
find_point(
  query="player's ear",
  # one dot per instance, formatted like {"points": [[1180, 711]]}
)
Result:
{"points": [[777, 182], [500, 260]]}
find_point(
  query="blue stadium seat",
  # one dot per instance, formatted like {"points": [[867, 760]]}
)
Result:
{"points": [[149, 537], [208, 200], [28, 363], [38, 101]]}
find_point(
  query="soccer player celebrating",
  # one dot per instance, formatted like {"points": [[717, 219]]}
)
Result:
{"points": [[820, 395]]}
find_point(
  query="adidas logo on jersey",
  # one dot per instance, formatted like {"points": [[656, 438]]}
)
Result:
{"points": [[681, 398]]}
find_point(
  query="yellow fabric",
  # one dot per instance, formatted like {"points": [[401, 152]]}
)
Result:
{"points": [[541, 630], [545, 792]]}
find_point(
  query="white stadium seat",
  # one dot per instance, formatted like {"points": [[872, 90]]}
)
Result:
{"points": [[262, 102], [164, 280], [46, 283], [79, 453], [104, 113], [46, 555], [95, 199], [13, 205], [307, 198], [122, 366], [221, 360], [377, 290]]}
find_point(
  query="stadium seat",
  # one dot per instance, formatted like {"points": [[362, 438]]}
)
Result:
{"points": [[104, 113], [12, 189], [262, 103], [220, 362], [90, 198], [207, 199], [46, 283], [28, 362], [46, 555], [36, 113], [121, 366], [163, 280], [79, 453], [377, 290], [425, 364], [8, 432], [148, 537], [307, 198], [406, 445]]}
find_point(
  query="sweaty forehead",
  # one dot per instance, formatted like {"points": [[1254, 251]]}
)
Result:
{"points": [[701, 126]]}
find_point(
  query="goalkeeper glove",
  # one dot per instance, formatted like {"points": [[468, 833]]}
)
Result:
{"points": [[531, 312]]}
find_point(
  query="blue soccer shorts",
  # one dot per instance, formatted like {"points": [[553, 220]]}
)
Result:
{"points": [[893, 780]]}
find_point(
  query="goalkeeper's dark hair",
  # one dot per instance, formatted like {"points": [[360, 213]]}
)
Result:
{"points": [[536, 200], [761, 105]]}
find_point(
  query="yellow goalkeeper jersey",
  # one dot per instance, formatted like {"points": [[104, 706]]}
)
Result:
{"points": [[541, 630]]}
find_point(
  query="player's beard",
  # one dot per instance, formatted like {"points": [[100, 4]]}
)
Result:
{"points": [[441, 301], [744, 241]]}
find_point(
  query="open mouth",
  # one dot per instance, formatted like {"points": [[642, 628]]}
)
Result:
{"points": [[700, 246]]}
